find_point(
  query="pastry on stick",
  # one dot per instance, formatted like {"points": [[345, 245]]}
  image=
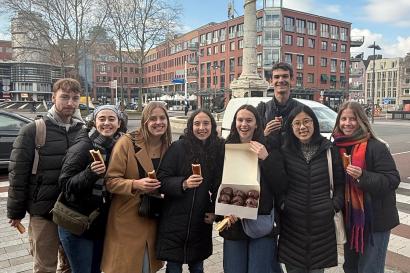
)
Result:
{"points": [[347, 160], [97, 156], [21, 228], [152, 174], [196, 169]]}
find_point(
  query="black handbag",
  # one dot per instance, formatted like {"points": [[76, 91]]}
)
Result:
{"points": [[150, 206]]}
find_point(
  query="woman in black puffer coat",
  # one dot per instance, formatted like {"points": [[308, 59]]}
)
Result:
{"points": [[307, 241], [185, 226], [82, 183]]}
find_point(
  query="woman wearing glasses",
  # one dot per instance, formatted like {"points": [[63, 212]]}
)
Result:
{"points": [[307, 242]]}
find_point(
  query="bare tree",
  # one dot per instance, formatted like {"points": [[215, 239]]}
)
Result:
{"points": [[141, 25], [62, 24]]}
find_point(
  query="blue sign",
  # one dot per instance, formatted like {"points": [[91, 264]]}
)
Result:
{"points": [[386, 101], [176, 80]]}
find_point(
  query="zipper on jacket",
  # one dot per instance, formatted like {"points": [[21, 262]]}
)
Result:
{"points": [[189, 227], [309, 220]]}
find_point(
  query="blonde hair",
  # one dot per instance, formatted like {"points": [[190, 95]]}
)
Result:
{"points": [[146, 113]]}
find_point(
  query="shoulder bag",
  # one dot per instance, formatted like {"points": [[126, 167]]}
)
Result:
{"points": [[338, 218]]}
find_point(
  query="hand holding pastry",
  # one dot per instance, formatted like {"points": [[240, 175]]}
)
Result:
{"points": [[354, 171]]}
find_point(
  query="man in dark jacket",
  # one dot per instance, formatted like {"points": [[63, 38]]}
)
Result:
{"points": [[274, 113], [37, 193]]}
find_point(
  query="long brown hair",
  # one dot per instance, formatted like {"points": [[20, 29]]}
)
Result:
{"points": [[146, 113], [360, 115]]}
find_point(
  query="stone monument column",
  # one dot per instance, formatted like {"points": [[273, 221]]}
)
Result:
{"points": [[249, 84]]}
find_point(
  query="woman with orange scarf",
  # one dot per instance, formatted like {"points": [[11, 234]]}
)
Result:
{"points": [[370, 198]]}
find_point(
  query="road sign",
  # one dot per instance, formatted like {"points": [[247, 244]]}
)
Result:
{"points": [[386, 101], [113, 84], [6, 85]]}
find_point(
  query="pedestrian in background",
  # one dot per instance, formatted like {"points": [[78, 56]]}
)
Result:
{"points": [[129, 245], [307, 242], [185, 226], [371, 181], [37, 193], [82, 183], [251, 253]]}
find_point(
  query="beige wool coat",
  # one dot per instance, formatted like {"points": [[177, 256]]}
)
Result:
{"points": [[127, 233]]}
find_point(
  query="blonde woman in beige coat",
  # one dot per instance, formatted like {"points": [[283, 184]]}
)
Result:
{"points": [[130, 238]]}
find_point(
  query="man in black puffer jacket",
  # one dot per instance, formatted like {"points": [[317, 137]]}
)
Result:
{"points": [[37, 194]]}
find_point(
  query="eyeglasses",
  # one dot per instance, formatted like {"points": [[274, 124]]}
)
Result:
{"points": [[306, 122]]}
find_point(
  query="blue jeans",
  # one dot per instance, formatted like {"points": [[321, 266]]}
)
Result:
{"points": [[177, 267], [372, 260], [251, 256], [291, 269], [83, 254]]}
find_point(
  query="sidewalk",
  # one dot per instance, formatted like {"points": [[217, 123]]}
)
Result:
{"points": [[14, 250]]}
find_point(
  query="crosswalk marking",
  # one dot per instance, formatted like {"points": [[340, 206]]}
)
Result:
{"points": [[400, 245], [404, 185], [4, 184]]}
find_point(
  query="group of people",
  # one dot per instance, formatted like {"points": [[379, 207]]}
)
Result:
{"points": [[294, 188]]}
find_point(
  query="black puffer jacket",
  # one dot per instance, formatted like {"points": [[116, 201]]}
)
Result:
{"points": [[307, 238], [272, 183], [37, 194], [183, 236], [78, 182], [379, 182]]}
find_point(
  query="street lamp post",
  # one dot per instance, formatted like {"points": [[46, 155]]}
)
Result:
{"points": [[374, 46]]}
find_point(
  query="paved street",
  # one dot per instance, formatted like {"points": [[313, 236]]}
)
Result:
{"points": [[14, 256]]}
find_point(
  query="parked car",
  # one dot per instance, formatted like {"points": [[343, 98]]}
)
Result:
{"points": [[84, 107], [10, 125], [325, 115]]}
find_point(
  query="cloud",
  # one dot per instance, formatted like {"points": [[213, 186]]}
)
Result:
{"points": [[398, 48], [396, 13], [311, 6], [5, 36]]}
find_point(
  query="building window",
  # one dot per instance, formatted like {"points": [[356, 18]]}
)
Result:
{"points": [[222, 48], [240, 30], [333, 64], [299, 79], [240, 58], [323, 78], [232, 46], [334, 47], [311, 28], [324, 45], [208, 51], [240, 44], [222, 34], [259, 59], [222, 66], [271, 20], [332, 81], [259, 40], [343, 81], [300, 26], [231, 65], [216, 49], [343, 34], [289, 23], [299, 61], [288, 39], [299, 41], [407, 81], [310, 78], [343, 48], [208, 68], [406, 91], [323, 61], [232, 32], [342, 66], [259, 24], [311, 43], [334, 32], [311, 60], [288, 58], [324, 30]]}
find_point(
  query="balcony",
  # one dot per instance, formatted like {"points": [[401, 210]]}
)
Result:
{"points": [[192, 74], [356, 56], [193, 60], [356, 41], [356, 73], [193, 46]]}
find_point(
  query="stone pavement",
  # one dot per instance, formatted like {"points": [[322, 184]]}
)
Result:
{"points": [[15, 257]]}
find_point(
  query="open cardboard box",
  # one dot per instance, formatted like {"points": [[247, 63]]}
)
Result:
{"points": [[241, 172]]}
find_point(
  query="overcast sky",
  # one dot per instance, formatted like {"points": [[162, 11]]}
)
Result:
{"points": [[386, 22]]}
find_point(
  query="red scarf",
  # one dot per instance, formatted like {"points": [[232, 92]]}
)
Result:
{"points": [[355, 209]]}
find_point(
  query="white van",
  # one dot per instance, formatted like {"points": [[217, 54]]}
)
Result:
{"points": [[325, 115]]}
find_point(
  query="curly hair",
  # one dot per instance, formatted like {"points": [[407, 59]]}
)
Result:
{"points": [[233, 136]]}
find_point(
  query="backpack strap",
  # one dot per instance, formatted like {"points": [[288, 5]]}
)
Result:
{"points": [[40, 140]]}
